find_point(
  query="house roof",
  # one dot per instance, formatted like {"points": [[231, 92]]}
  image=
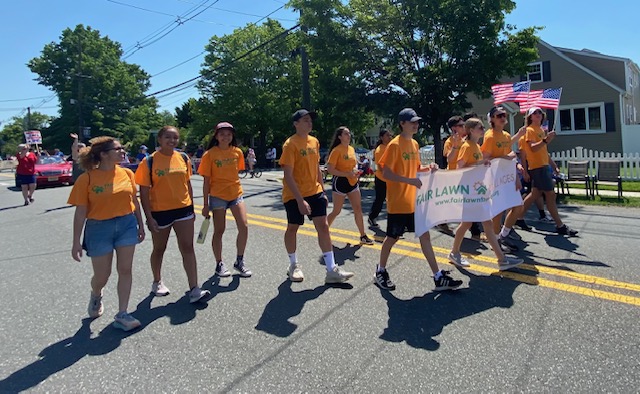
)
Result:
{"points": [[559, 52]]}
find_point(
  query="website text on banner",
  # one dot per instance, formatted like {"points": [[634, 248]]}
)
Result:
{"points": [[472, 194]]}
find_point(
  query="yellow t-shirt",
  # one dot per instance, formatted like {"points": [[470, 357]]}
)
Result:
{"points": [[222, 166], [170, 186], [302, 153], [448, 146], [496, 144], [377, 154], [470, 153], [343, 159], [402, 157], [106, 194], [541, 157]]}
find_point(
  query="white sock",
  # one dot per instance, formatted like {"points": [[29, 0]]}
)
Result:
{"points": [[329, 261], [437, 275], [505, 231], [293, 259], [380, 269]]}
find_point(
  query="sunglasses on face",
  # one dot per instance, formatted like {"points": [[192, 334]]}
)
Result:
{"points": [[501, 116], [537, 113]]}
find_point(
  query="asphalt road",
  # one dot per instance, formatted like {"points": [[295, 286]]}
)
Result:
{"points": [[567, 321]]}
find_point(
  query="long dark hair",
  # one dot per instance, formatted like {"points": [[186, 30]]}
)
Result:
{"points": [[380, 134], [214, 142], [338, 133]]}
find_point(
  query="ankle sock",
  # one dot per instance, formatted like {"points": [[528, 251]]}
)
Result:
{"points": [[505, 231], [438, 275], [293, 258]]}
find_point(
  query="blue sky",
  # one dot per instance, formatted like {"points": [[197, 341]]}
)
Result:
{"points": [[27, 25]]}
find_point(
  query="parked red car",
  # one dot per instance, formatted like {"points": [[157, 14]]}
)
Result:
{"points": [[52, 170]]}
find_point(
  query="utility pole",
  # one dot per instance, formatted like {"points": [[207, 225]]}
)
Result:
{"points": [[306, 90], [79, 101], [28, 118]]}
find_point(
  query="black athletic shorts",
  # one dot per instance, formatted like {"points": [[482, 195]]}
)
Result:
{"points": [[399, 223], [341, 185], [541, 179], [167, 218], [317, 202]]}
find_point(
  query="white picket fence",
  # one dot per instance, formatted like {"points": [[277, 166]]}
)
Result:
{"points": [[629, 168]]}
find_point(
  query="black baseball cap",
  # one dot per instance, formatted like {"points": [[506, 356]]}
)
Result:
{"points": [[408, 115], [303, 112]]}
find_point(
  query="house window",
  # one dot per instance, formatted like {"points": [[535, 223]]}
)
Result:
{"points": [[535, 72], [586, 118]]}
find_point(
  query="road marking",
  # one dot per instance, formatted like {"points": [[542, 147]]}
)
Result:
{"points": [[309, 229]]}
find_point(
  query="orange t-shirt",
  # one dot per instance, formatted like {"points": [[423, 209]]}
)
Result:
{"points": [[448, 146], [343, 159], [302, 153], [377, 154], [496, 144], [541, 157], [470, 153], [170, 186], [402, 157], [106, 194], [222, 166]]}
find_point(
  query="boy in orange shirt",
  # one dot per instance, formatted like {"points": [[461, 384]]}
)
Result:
{"points": [[303, 194], [400, 163]]}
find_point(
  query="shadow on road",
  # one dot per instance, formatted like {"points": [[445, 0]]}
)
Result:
{"points": [[417, 321]]}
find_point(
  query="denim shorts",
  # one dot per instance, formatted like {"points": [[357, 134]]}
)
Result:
{"points": [[26, 179], [103, 236], [218, 203]]}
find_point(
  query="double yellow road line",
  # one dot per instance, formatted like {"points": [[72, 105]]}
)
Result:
{"points": [[480, 264]]}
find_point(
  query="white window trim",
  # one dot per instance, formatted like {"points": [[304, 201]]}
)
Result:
{"points": [[585, 106], [541, 72]]}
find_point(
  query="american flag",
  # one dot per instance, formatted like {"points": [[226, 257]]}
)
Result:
{"points": [[510, 92], [548, 98]]}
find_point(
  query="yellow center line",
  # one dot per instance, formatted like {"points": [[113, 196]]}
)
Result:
{"points": [[308, 229]]}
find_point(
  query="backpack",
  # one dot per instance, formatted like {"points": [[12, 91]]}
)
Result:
{"points": [[150, 165]]}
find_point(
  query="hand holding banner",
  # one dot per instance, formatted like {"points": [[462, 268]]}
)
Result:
{"points": [[471, 194]]}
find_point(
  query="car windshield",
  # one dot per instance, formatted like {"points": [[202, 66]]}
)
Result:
{"points": [[50, 160]]}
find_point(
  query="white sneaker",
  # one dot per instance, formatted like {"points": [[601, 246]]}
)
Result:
{"points": [[510, 262], [295, 273], [159, 289], [458, 259], [338, 275], [196, 294]]}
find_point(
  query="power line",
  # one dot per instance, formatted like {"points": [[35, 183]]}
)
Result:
{"points": [[24, 99], [247, 14], [177, 65], [182, 84]]}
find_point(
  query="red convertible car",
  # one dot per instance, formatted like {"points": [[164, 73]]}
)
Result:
{"points": [[52, 170]]}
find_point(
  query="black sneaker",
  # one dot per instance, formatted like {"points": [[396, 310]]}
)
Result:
{"points": [[523, 225], [504, 241], [373, 223], [366, 240], [446, 282], [382, 279], [566, 230]]}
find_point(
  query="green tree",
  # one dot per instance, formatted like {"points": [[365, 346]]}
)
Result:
{"points": [[257, 93], [95, 87], [12, 133], [425, 54]]}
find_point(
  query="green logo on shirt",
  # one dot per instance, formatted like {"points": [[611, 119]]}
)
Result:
{"points": [[477, 156], [408, 155], [218, 163]]}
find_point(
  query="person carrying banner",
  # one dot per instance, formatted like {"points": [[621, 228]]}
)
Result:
{"points": [[343, 165], [401, 163], [303, 194], [26, 172], [380, 185], [537, 155], [497, 144], [471, 155]]}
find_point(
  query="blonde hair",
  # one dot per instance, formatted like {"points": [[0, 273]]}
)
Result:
{"points": [[89, 157], [470, 124]]}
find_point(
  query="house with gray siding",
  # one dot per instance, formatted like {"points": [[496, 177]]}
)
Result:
{"points": [[600, 104]]}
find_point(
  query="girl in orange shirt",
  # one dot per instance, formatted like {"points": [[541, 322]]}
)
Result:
{"points": [[342, 164], [380, 184], [108, 210], [222, 190], [471, 155], [167, 199]]}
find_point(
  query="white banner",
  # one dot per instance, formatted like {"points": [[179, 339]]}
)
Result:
{"points": [[472, 194]]}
